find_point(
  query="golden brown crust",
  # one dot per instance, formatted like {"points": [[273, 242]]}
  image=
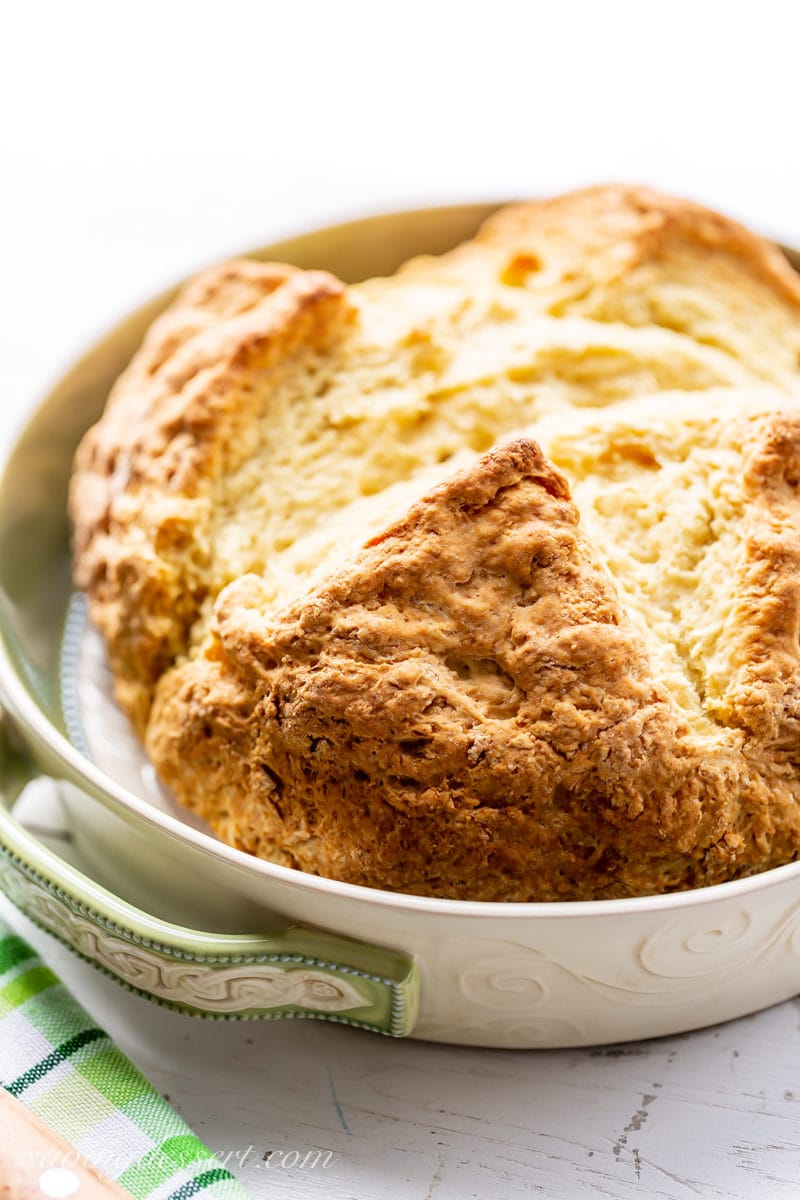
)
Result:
{"points": [[763, 696], [602, 233], [464, 710], [629, 253], [622, 226], [176, 421], [461, 702]]}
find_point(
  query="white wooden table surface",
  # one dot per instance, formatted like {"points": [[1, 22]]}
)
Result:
{"points": [[138, 143]]}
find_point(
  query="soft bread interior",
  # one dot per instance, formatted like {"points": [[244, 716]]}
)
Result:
{"points": [[426, 381], [658, 481], [659, 484]]}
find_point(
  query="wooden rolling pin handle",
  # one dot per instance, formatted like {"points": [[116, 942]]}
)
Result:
{"points": [[37, 1164]]}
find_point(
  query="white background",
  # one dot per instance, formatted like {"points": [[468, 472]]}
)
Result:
{"points": [[140, 141]]}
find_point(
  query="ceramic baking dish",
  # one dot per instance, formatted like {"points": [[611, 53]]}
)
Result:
{"points": [[191, 923]]}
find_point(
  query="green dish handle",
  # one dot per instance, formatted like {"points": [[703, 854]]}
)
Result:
{"points": [[296, 972]]}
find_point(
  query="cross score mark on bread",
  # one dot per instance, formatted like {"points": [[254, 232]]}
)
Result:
{"points": [[480, 581]]}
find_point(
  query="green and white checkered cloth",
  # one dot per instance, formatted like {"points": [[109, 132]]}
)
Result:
{"points": [[55, 1060]]}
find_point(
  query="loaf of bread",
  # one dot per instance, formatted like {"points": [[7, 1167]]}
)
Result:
{"points": [[481, 581]]}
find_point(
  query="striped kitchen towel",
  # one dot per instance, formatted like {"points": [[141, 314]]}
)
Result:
{"points": [[55, 1060]]}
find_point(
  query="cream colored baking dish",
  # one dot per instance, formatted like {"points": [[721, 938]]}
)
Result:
{"points": [[190, 922]]}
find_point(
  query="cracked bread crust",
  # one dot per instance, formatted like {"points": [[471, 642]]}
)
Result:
{"points": [[460, 704], [762, 636], [177, 420], [466, 710], [150, 475], [631, 254]]}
